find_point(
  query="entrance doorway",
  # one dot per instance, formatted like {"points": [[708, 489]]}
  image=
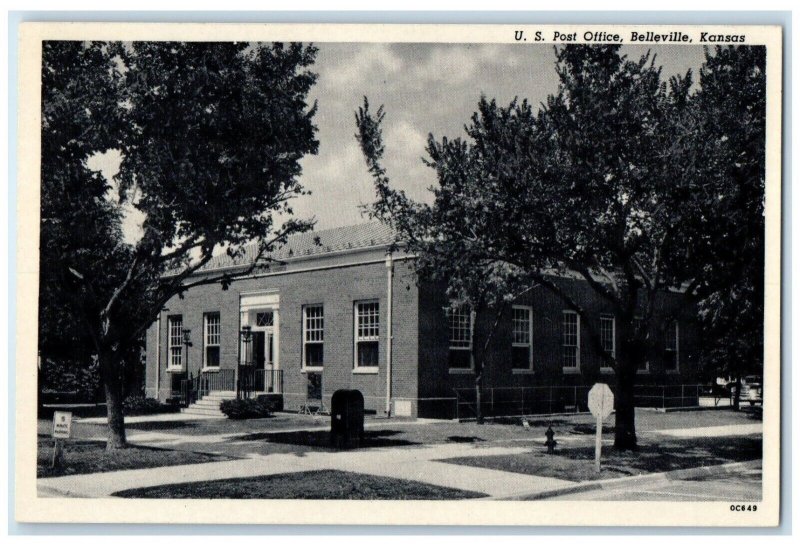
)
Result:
{"points": [[260, 353], [264, 349]]}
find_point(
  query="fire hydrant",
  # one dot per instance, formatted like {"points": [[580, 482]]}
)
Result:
{"points": [[550, 443]]}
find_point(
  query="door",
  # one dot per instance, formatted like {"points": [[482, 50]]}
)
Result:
{"points": [[259, 350], [264, 351], [270, 349]]}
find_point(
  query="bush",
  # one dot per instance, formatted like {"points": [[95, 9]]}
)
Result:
{"points": [[137, 405], [69, 381], [246, 409]]}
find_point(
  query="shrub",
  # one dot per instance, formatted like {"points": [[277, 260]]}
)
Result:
{"points": [[246, 409], [137, 405]]}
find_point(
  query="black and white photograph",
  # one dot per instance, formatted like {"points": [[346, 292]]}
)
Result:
{"points": [[510, 272]]}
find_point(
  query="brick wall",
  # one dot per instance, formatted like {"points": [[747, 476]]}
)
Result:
{"points": [[421, 378], [337, 287], [438, 382]]}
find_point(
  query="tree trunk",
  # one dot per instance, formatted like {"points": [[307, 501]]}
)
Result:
{"points": [[625, 417], [112, 383], [479, 396], [477, 362], [737, 394]]}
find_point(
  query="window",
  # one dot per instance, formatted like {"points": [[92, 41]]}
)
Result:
{"points": [[313, 336], [607, 338], [459, 322], [175, 338], [267, 318], [570, 340], [211, 337], [672, 347], [521, 349], [367, 334]]}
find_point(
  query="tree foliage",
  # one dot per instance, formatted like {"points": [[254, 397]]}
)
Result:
{"points": [[606, 181], [210, 135], [80, 117], [729, 221]]}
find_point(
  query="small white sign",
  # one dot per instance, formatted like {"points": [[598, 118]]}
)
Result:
{"points": [[601, 404], [62, 424], [601, 401]]}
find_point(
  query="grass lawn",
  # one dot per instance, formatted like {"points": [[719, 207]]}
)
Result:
{"points": [[88, 457], [577, 464], [320, 484], [279, 434]]}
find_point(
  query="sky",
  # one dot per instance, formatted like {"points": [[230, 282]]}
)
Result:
{"points": [[425, 88]]}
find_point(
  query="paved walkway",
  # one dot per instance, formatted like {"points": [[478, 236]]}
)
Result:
{"points": [[411, 464], [713, 432], [155, 418], [419, 463], [744, 485]]}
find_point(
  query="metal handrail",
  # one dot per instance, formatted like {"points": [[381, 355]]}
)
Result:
{"points": [[252, 381]]}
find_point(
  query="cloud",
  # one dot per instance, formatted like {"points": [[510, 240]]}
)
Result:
{"points": [[361, 64], [405, 148], [340, 184]]}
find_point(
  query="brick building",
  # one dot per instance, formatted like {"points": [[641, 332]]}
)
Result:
{"points": [[320, 318]]}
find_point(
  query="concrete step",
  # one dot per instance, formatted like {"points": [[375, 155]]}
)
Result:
{"points": [[201, 409], [219, 415], [220, 395], [194, 410], [207, 404], [218, 398]]}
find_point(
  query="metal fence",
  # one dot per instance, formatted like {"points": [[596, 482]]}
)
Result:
{"points": [[511, 401], [247, 382], [669, 396]]}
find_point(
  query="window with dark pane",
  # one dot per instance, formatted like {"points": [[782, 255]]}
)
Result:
{"points": [[175, 341], [459, 321], [211, 339], [570, 339], [313, 336], [367, 334], [521, 355]]}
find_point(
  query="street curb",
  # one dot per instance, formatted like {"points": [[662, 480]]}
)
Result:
{"points": [[615, 483]]}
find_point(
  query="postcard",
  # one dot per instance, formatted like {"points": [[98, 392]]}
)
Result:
{"points": [[399, 274]]}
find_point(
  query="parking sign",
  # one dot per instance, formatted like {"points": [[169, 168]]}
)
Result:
{"points": [[62, 424]]}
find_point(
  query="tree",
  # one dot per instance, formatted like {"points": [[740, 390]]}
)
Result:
{"points": [[210, 135], [80, 117], [442, 238], [595, 184], [727, 221]]}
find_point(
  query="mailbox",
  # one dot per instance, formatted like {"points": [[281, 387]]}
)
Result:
{"points": [[347, 418]]}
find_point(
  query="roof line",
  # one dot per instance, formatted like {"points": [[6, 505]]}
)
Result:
{"points": [[294, 259]]}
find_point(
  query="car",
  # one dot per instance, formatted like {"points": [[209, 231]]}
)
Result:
{"points": [[752, 390]]}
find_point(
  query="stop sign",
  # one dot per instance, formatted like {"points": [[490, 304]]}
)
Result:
{"points": [[601, 400]]}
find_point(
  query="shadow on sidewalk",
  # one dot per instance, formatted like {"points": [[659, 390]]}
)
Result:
{"points": [[320, 439]]}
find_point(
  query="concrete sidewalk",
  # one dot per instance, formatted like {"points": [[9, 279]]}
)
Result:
{"points": [[410, 464], [420, 463], [712, 432], [155, 418], [653, 480]]}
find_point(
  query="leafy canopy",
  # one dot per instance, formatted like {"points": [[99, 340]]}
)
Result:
{"points": [[210, 135]]}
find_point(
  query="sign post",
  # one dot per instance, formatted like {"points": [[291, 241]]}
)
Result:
{"points": [[62, 429], [601, 404]]}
